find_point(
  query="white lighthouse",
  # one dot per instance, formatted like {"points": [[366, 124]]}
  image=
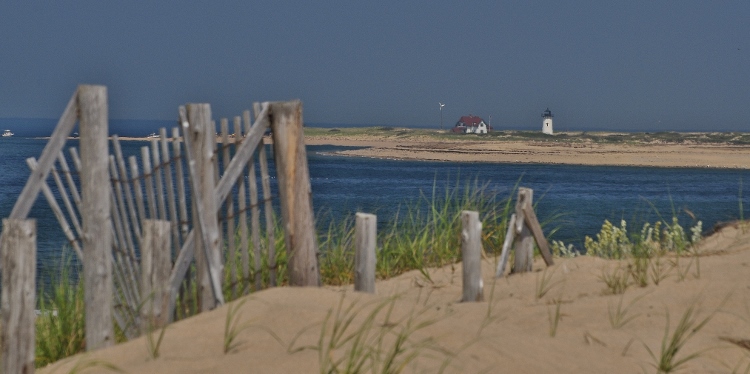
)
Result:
{"points": [[547, 122]]}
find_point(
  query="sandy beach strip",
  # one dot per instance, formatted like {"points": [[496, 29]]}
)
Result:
{"points": [[540, 152]]}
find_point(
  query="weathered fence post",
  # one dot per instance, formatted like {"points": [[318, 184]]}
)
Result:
{"points": [[471, 256], [364, 257], [295, 191], [524, 242], [202, 140], [97, 234], [18, 252], [155, 268]]}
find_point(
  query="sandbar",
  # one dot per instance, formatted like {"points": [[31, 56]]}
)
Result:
{"points": [[553, 150]]}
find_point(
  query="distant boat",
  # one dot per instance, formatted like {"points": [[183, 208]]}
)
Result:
{"points": [[7, 134], [152, 135]]}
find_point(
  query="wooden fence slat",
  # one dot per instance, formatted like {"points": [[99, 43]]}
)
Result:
{"points": [[159, 184], [195, 124], [255, 224], [268, 209], [524, 243], [533, 223], [55, 144], [135, 175], [241, 201], [471, 257], [294, 189], [121, 210], [219, 204], [123, 312], [180, 268], [177, 151], [155, 262], [510, 235], [97, 238], [63, 193], [47, 192], [242, 156], [231, 260], [148, 181], [69, 178], [364, 255], [126, 183], [122, 239], [169, 183], [252, 182], [18, 250]]}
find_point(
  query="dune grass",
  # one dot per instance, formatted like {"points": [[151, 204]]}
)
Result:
{"points": [[60, 325], [354, 340], [666, 359]]}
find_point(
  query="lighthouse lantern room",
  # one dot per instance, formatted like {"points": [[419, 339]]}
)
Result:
{"points": [[547, 122]]}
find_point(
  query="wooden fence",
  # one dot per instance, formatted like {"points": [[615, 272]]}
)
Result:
{"points": [[173, 223]]}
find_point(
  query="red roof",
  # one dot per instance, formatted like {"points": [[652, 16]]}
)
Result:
{"points": [[469, 120]]}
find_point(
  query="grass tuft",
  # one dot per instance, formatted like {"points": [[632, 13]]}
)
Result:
{"points": [[618, 317], [673, 343], [544, 283], [617, 280], [351, 343], [554, 318], [60, 325]]}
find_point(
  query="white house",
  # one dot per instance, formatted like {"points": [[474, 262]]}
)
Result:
{"points": [[471, 125]]}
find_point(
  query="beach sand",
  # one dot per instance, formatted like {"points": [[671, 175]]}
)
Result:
{"points": [[508, 333], [472, 148]]}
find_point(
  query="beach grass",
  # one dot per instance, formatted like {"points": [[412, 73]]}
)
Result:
{"points": [[60, 324], [666, 359]]}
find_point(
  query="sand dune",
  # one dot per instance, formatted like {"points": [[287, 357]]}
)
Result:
{"points": [[509, 333]]}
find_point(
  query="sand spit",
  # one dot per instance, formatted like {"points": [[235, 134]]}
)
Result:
{"points": [[472, 148], [510, 332]]}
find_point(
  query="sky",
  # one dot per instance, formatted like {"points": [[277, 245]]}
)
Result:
{"points": [[632, 66]]}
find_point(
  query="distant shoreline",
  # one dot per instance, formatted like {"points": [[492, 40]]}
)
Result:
{"points": [[590, 150]]}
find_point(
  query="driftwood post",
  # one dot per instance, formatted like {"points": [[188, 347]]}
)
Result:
{"points": [[97, 234], [471, 256], [524, 242], [523, 230], [510, 235], [18, 251], [155, 267], [202, 139], [295, 191], [364, 257]]}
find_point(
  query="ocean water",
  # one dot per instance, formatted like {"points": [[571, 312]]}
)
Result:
{"points": [[584, 195]]}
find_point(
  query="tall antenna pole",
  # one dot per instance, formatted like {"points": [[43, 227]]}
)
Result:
{"points": [[441, 115]]}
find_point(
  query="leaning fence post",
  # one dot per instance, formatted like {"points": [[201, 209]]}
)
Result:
{"points": [[524, 242], [97, 234], [156, 265], [295, 191], [18, 252], [364, 257], [471, 256], [202, 139]]}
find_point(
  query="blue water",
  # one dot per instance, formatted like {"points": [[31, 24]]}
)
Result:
{"points": [[584, 195]]}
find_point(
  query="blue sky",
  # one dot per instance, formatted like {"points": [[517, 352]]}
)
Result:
{"points": [[636, 65]]}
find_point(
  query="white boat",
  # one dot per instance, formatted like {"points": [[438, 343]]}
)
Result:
{"points": [[152, 135], [7, 134]]}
